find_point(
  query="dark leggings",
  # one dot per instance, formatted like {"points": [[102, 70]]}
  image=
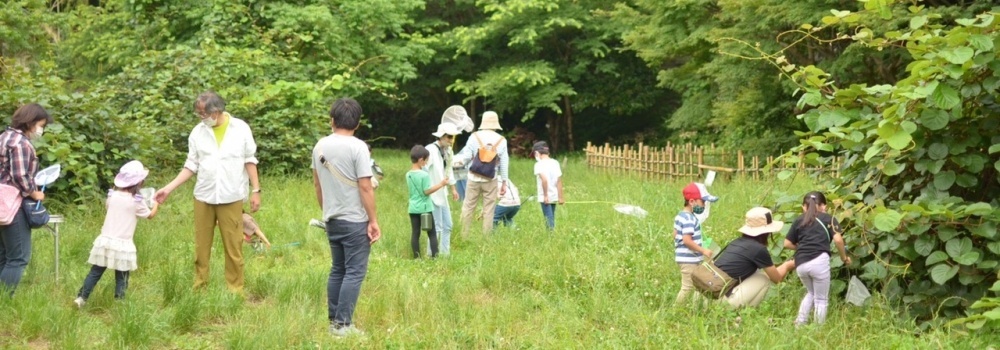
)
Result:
{"points": [[121, 282], [415, 236]]}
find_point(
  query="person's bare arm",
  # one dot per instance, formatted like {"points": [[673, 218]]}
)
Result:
{"points": [[163, 193], [690, 243], [251, 169], [777, 274], [318, 189], [368, 201], [559, 187], [790, 245], [838, 240]]}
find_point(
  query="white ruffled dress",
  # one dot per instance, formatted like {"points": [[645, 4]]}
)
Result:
{"points": [[114, 248]]}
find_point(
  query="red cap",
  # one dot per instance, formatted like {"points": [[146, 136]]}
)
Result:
{"points": [[691, 191]]}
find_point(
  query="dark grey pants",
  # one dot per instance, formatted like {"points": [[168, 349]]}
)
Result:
{"points": [[121, 282], [15, 251], [349, 247]]}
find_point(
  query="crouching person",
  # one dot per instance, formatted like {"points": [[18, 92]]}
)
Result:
{"points": [[747, 261]]}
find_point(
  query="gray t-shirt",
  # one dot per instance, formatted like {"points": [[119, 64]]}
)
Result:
{"points": [[351, 161]]}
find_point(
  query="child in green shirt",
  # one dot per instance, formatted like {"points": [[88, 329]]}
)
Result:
{"points": [[418, 182]]}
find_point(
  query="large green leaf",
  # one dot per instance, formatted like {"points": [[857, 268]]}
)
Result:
{"points": [[958, 247], [969, 258], [945, 97], [941, 273], [937, 151], [986, 229], [891, 168], [936, 257], [934, 119], [899, 139], [943, 180], [958, 55], [924, 245], [980, 208], [981, 42], [888, 221]]}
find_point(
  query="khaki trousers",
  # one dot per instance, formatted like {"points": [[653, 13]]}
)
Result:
{"points": [[751, 292], [687, 283], [229, 218], [489, 191]]}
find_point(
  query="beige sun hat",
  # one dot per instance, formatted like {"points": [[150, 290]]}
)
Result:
{"points": [[491, 121], [446, 129], [759, 221]]}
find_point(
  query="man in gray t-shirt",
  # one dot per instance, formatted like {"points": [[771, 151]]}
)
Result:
{"points": [[342, 177]]}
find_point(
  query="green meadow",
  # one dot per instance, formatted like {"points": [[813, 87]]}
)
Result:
{"points": [[600, 280]]}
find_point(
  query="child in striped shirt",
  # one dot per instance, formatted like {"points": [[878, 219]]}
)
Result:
{"points": [[688, 252]]}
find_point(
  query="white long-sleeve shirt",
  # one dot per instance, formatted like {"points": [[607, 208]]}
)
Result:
{"points": [[472, 147], [221, 168], [439, 168]]}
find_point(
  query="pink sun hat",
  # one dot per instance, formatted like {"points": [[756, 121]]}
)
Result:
{"points": [[131, 174]]}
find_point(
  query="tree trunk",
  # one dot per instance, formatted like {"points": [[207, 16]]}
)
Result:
{"points": [[553, 126], [568, 109]]}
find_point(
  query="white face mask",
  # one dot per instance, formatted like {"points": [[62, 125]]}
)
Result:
{"points": [[209, 122], [38, 133]]}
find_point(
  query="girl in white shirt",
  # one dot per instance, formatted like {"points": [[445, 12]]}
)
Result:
{"points": [[114, 248]]}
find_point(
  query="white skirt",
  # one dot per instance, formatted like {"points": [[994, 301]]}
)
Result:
{"points": [[113, 253]]}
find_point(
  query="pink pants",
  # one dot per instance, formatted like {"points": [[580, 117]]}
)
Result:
{"points": [[815, 275]]}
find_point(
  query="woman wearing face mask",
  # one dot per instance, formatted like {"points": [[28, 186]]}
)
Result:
{"points": [[18, 164]]}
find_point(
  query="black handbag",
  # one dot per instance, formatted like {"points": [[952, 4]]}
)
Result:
{"points": [[37, 215]]}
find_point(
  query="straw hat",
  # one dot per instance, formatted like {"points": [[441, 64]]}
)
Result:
{"points": [[697, 190], [491, 121], [446, 129], [131, 174], [759, 221]]}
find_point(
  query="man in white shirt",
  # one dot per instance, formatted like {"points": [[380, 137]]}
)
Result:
{"points": [[439, 168], [221, 150], [480, 185]]}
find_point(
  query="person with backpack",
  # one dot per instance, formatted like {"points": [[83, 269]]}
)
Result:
{"points": [[486, 154]]}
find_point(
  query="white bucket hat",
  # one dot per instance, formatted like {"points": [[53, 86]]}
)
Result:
{"points": [[491, 121], [131, 174], [446, 129], [759, 221]]}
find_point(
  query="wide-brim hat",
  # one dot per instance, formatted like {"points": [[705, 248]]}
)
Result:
{"points": [[759, 221], [131, 174], [446, 129], [459, 117], [491, 121], [697, 190]]}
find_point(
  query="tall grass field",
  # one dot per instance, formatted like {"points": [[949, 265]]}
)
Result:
{"points": [[601, 280]]}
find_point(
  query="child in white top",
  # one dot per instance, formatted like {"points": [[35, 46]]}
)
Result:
{"points": [[114, 248], [550, 187]]}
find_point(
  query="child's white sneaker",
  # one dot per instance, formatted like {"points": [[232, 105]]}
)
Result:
{"points": [[345, 331], [79, 302]]}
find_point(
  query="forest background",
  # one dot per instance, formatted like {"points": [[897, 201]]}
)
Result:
{"points": [[903, 89]]}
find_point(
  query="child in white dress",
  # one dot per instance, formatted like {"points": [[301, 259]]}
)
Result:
{"points": [[114, 248]]}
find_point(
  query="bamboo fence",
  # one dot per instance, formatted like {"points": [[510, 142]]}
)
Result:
{"points": [[690, 161]]}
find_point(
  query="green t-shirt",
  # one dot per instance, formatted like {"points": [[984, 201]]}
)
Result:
{"points": [[419, 181]]}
